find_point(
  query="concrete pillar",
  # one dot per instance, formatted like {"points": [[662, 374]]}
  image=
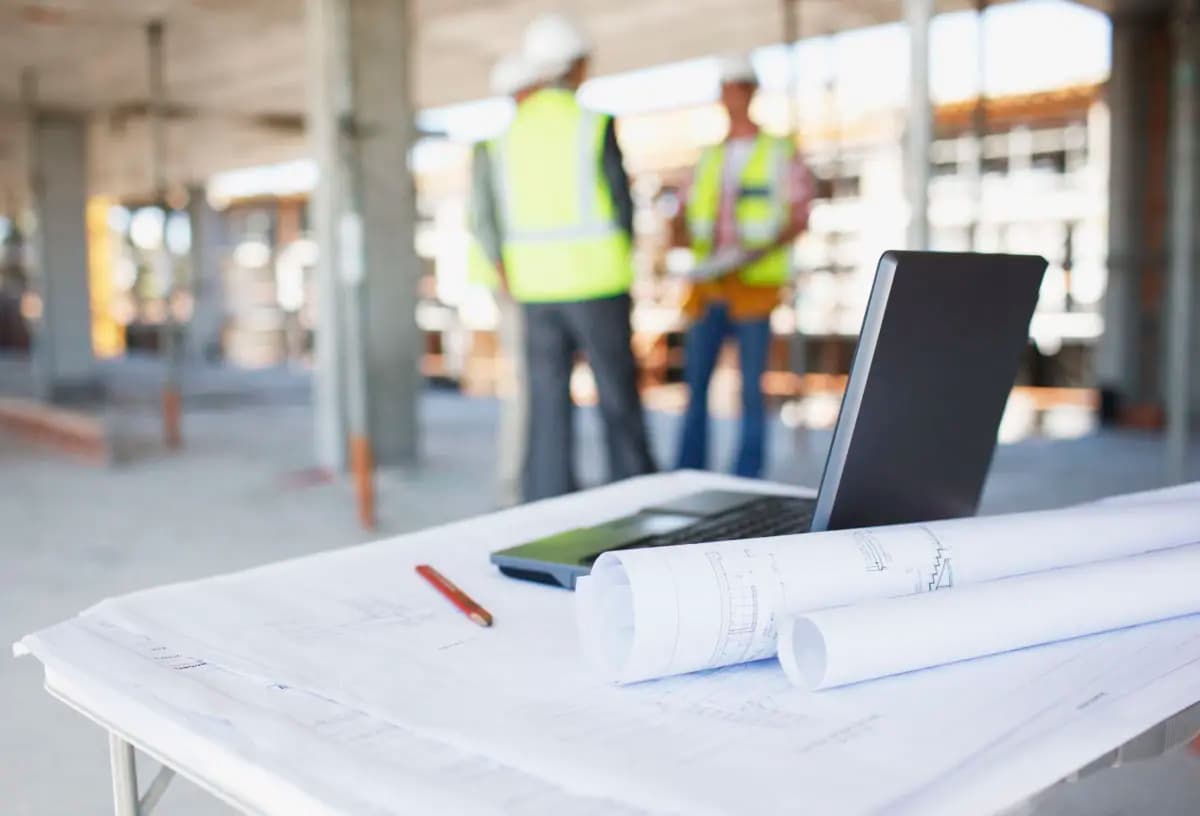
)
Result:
{"points": [[203, 339], [919, 128], [1184, 253], [1116, 369], [978, 125], [361, 125], [1128, 357], [329, 402], [63, 363], [169, 346]]}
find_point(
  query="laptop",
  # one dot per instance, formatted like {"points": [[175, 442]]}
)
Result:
{"points": [[939, 349]]}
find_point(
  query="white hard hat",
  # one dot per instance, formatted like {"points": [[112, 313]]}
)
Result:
{"points": [[552, 42], [510, 74], [736, 68]]}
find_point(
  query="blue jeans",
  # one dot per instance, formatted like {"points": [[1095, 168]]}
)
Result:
{"points": [[704, 342]]}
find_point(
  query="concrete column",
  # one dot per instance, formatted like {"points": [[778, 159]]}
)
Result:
{"points": [[978, 125], [63, 363], [203, 339], [361, 124], [1129, 356], [919, 128], [169, 346], [328, 383], [1184, 252], [1116, 353]]}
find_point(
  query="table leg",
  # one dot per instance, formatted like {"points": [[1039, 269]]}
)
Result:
{"points": [[124, 776]]}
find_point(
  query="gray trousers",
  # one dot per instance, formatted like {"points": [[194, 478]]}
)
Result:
{"points": [[554, 332]]}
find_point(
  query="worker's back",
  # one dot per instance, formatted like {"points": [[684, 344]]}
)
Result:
{"points": [[561, 237]]}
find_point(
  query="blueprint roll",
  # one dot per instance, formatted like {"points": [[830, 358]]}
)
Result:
{"points": [[864, 641], [655, 612]]}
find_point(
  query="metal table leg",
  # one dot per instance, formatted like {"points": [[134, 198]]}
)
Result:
{"points": [[124, 776], [158, 786]]}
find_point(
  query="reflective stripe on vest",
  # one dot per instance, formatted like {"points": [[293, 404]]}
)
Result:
{"points": [[561, 238], [761, 209]]}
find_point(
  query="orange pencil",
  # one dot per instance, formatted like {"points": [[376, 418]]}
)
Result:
{"points": [[455, 595]]}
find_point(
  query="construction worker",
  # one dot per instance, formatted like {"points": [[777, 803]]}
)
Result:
{"points": [[748, 201], [567, 219], [511, 76]]}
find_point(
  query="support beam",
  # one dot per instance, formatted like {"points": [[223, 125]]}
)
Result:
{"points": [[1184, 253], [919, 130], [362, 126], [63, 362]]}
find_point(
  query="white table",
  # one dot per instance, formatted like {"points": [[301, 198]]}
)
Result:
{"points": [[196, 734]]}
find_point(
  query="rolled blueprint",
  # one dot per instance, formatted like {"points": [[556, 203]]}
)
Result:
{"points": [[848, 644], [645, 613]]}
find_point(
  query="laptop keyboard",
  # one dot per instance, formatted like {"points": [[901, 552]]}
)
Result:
{"points": [[765, 516]]}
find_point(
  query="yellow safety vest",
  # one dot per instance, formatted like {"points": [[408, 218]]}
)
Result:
{"points": [[761, 211], [561, 238], [480, 269]]}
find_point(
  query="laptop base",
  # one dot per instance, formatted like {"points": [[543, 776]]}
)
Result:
{"points": [[709, 515]]}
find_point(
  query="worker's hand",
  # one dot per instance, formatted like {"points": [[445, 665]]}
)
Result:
{"points": [[756, 254]]}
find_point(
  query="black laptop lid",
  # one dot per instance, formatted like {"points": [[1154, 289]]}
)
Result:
{"points": [[940, 345]]}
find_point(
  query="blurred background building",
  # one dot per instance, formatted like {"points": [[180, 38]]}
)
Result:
{"points": [[178, 130]]}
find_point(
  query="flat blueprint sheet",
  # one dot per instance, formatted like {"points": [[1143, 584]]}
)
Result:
{"points": [[342, 683]]}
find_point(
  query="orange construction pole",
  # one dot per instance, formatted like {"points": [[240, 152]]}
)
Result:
{"points": [[172, 411], [362, 466]]}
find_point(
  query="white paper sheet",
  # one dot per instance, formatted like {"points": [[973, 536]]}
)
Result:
{"points": [[357, 631], [253, 734], [735, 741], [646, 613], [864, 641]]}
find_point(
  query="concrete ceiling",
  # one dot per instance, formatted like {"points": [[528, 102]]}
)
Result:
{"points": [[235, 68], [247, 56]]}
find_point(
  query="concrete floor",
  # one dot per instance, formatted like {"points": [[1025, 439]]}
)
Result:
{"points": [[72, 534]]}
